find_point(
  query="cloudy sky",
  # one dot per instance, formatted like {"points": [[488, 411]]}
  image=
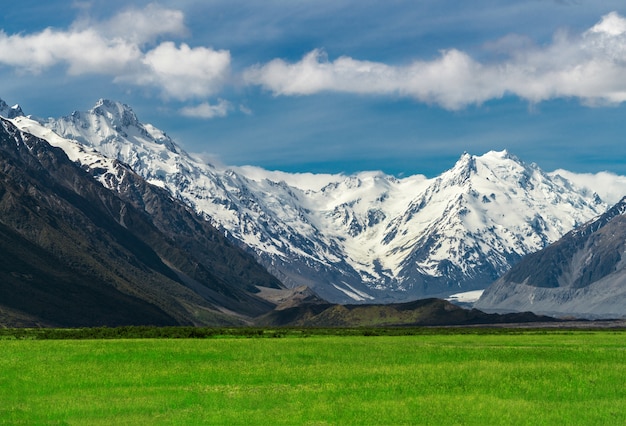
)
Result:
{"points": [[337, 86]]}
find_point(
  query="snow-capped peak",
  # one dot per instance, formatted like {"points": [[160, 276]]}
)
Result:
{"points": [[366, 233], [117, 113], [113, 129], [10, 112]]}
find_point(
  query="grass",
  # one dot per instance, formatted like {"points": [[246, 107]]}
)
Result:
{"points": [[523, 378]]}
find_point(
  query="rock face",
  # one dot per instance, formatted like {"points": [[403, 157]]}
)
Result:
{"points": [[74, 253], [364, 238], [582, 274], [10, 112]]}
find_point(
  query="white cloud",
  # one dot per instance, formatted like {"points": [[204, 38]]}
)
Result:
{"points": [[610, 187], [589, 66], [82, 51], [117, 47], [129, 47], [206, 110], [453, 80], [144, 25], [182, 72], [611, 24], [245, 109]]}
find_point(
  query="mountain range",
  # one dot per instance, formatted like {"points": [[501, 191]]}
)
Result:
{"points": [[362, 238], [367, 237]]}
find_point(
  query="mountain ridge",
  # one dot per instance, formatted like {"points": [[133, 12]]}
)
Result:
{"points": [[75, 253], [365, 238], [582, 274]]}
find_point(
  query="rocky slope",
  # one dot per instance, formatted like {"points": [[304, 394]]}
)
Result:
{"points": [[583, 274], [74, 253]]}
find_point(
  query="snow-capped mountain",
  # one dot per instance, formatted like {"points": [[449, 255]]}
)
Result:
{"points": [[73, 253], [10, 112], [364, 237]]}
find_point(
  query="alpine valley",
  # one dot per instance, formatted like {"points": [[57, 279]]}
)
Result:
{"points": [[362, 238]]}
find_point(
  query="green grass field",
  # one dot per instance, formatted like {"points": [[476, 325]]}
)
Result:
{"points": [[529, 378]]}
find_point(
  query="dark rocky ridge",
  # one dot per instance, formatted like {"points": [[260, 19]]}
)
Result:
{"points": [[76, 254]]}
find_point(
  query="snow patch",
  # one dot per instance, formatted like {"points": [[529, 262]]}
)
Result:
{"points": [[466, 296], [358, 296]]}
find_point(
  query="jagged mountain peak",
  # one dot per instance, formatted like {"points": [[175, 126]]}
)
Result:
{"points": [[470, 167], [113, 129], [10, 111], [116, 112], [467, 159], [111, 105], [500, 155], [487, 211], [618, 209], [462, 171], [500, 160], [365, 236]]}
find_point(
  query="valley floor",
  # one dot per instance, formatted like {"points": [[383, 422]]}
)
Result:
{"points": [[445, 377]]}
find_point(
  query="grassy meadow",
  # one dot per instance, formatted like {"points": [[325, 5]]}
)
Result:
{"points": [[529, 377]]}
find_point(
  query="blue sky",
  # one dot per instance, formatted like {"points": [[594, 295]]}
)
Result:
{"points": [[337, 86]]}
